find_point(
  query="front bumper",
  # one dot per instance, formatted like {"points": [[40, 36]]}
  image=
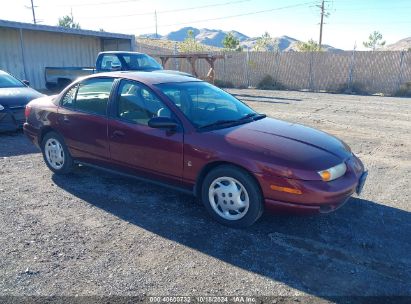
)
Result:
{"points": [[295, 208], [12, 119], [316, 196]]}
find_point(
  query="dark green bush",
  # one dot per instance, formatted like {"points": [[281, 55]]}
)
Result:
{"points": [[355, 88], [268, 83], [404, 90], [223, 83]]}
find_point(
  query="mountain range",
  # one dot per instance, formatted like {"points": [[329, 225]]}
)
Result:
{"points": [[401, 45], [214, 37]]}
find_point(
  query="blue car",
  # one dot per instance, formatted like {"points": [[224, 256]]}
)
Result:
{"points": [[14, 95]]}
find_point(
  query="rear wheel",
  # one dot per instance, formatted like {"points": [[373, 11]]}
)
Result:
{"points": [[55, 153], [232, 197]]}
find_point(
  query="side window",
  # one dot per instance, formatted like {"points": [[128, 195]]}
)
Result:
{"points": [[137, 104], [92, 96], [182, 99], [110, 63], [70, 97]]}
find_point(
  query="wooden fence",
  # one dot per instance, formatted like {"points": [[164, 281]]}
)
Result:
{"points": [[362, 72]]}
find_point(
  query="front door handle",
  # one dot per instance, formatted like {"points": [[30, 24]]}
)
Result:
{"points": [[118, 133], [66, 119]]}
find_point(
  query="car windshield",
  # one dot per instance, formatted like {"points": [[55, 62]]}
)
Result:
{"points": [[8, 81], [140, 62], [206, 105]]}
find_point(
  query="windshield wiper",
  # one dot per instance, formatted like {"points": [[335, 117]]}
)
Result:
{"points": [[254, 116], [259, 116], [218, 123]]}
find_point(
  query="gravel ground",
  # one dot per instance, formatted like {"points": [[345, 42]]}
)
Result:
{"points": [[93, 233]]}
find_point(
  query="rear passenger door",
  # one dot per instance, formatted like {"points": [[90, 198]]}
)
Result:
{"points": [[83, 119]]}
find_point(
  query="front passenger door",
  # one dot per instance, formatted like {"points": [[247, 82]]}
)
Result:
{"points": [[133, 143]]}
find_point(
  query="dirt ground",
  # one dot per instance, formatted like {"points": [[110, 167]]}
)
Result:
{"points": [[93, 233]]}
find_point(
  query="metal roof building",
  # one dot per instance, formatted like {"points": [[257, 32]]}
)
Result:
{"points": [[26, 49]]}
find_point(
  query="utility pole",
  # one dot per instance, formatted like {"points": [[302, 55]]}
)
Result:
{"points": [[321, 25], [155, 18], [34, 15]]}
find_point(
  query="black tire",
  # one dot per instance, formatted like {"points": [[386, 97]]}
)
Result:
{"points": [[67, 164], [255, 206]]}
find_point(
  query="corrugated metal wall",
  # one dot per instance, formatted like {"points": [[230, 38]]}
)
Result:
{"points": [[43, 49], [11, 59], [116, 45]]}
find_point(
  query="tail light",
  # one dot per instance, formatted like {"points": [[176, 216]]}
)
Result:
{"points": [[27, 111]]}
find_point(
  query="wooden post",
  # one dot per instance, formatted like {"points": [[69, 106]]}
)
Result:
{"points": [[211, 72], [163, 61], [192, 61]]}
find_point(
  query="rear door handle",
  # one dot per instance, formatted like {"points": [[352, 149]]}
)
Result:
{"points": [[118, 133]]}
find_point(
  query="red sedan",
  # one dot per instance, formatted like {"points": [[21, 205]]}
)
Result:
{"points": [[185, 133]]}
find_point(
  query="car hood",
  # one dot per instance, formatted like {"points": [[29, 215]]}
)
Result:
{"points": [[286, 146], [17, 96]]}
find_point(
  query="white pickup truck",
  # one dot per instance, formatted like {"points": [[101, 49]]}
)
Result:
{"points": [[58, 78]]}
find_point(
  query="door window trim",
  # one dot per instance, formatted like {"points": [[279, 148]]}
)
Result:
{"points": [[106, 115], [115, 99]]}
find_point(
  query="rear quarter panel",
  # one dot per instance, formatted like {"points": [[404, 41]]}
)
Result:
{"points": [[43, 116]]}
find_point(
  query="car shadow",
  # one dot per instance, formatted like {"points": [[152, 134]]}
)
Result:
{"points": [[15, 143], [361, 249]]}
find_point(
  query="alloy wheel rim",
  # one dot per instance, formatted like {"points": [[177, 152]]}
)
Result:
{"points": [[54, 153], [229, 198]]}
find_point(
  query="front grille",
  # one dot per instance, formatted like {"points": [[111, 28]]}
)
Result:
{"points": [[18, 115]]}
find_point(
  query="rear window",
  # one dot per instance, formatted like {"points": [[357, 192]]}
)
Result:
{"points": [[89, 96]]}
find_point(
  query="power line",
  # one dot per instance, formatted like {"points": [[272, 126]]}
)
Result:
{"points": [[229, 17], [98, 3], [32, 11], [323, 13], [155, 17], [373, 8], [321, 25], [171, 11]]}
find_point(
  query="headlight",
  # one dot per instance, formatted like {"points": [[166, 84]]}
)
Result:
{"points": [[333, 173], [1, 108]]}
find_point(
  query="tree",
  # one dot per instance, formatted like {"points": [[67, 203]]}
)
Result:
{"points": [[68, 21], [374, 41], [266, 44], [231, 43], [309, 46], [190, 44]]}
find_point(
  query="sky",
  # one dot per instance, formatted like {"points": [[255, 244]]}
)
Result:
{"points": [[349, 22]]}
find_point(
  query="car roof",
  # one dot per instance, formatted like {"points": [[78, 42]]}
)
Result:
{"points": [[147, 77]]}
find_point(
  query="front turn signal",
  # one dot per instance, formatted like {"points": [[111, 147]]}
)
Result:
{"points": [[286, 189]]}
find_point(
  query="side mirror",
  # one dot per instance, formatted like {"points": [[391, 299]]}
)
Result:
{"points": [[26, 82], [163, 123]]}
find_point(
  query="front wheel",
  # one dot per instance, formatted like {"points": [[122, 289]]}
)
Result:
{"points": [[55, 153], [232, 197]]}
